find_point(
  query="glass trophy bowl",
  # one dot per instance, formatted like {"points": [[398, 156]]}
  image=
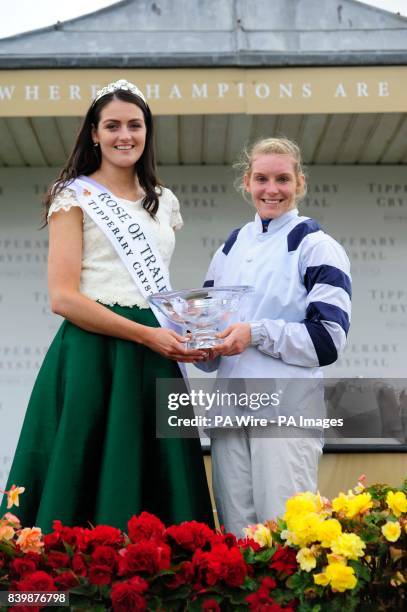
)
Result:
{"points": [[201, 311]]}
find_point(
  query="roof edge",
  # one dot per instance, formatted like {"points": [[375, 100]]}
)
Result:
{"points": [[58, 25], [235, 60]]}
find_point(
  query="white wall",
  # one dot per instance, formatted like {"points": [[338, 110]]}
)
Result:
{"points": [[363, 207]]}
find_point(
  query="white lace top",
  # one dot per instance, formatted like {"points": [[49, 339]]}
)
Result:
{"points": [[103, 275]]}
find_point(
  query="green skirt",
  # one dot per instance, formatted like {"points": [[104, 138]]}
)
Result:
{"points": [[88, 452]]}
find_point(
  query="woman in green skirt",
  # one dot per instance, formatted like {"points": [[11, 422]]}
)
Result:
{"points": [[88, 451]]}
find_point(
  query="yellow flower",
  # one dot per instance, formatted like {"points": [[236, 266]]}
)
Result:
{"points": [[321, 579], [334, 558], [397, 502], [12, 496], [6, 532], [329, 530], [303, 503], [358, 504], [304, 528], [260, 534], [397, 580], [307, 559], [391, 531], [340, 503], [349, 545], [341, 577], [29, 540], [361, 484]]}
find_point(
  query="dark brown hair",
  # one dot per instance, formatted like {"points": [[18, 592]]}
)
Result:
{"points": [[85, 158]]}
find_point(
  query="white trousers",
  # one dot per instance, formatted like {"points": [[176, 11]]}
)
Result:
{"points": [[254, 476]]}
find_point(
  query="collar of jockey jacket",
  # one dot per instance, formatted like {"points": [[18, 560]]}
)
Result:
{"points": [[265, 224]]}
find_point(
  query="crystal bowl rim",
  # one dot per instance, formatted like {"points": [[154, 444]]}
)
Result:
{"points": [[178, 292]]}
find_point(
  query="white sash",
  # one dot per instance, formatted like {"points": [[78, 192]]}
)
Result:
{"points": [[133, 243]]}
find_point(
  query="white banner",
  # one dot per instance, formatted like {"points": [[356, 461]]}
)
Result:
{"points": [[365, 208]]}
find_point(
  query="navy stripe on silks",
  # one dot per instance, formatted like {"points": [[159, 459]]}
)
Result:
{"points": [[298, 233], [321, 311], [323, 343], [230, 241], [327, 275], [208, 283]]}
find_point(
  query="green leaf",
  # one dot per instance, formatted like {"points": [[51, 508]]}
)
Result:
{"points": [[265, 555], [70, 551], [249, 555], [250, 584]]}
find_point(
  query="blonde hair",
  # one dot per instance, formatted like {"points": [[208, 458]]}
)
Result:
{"points": [[266, 146]]}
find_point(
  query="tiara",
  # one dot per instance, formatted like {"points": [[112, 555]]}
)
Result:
{"points": [[121, 84]]}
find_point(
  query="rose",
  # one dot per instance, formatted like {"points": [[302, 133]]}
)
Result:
{"points": [[248, 543], [210, 605], [191, 535], [37, 581], [145, 527], [23, 566], [348, 545], [51, 540], [260, 534], [150, 557], [221, 563], [105, 555], [391, 531], [100, 574], [76, 537], [6, 532], [234, 567], [79, 565], [397, 502], [183, 575], [104, 534], [127, 596], [56, 559], [208, 567], [284, 560], [29, 540]]}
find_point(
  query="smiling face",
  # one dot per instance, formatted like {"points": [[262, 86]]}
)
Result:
{"points": [[120, 133], [273, 184]]}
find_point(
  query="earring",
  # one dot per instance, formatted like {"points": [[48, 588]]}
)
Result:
{"points": [[95, 144]]}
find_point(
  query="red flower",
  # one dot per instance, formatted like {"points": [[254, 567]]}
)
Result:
{"points": [[210, 605], [21, 608], [104, 534], [66, 581], [221, 563], [105, 555], [79, 565], [268, 583], [23, 566], [127, 596], [184, 575], [145, 527], [284, 560], [57, 559], [51, 540], [147, 556], [76, 537], [2, 560], [37, 581], [191, 535], [248, 543], [100, 574], [230, 540], [234, 567]]}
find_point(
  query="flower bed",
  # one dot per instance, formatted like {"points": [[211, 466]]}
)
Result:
{"points": [[345, 554]]}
